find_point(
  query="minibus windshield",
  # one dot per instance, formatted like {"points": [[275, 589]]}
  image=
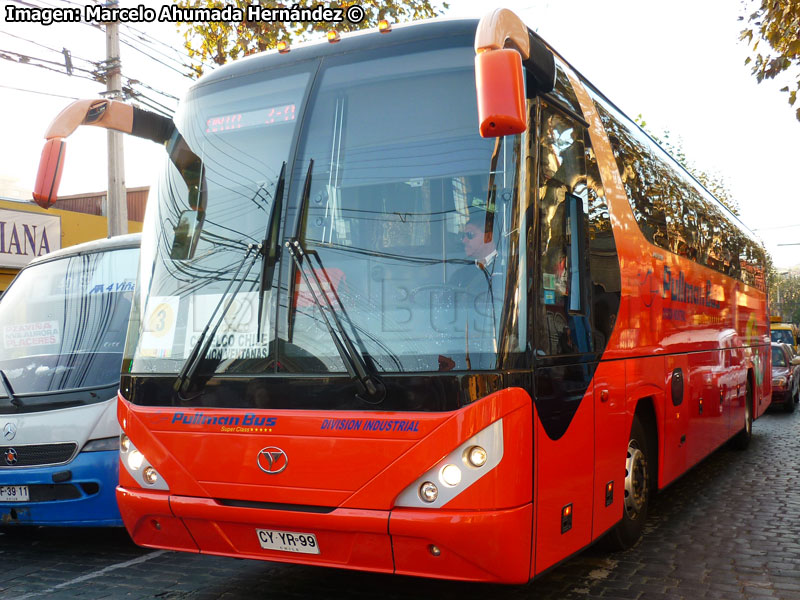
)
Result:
{"points": [[63, 323]]}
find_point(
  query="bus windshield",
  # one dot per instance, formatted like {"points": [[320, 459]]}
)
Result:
{"points": [[63, 323], [411, 224]]}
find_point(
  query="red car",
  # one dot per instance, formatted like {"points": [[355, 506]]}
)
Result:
{"points": [[785, 377]]}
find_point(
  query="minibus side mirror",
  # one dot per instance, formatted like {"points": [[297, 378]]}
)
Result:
{"points": [[51, 165]]}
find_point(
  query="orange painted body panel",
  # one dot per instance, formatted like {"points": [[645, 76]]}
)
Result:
{"points": [[347, 538], [475, 546], [672, 307], [218, 496], [565, 475], [611, 426]]}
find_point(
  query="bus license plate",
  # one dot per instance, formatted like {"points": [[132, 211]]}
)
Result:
{"points": [[14, 493], [288, 541]]}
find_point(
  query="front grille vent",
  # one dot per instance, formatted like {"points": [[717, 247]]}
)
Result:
{"points": [[36, 454]]}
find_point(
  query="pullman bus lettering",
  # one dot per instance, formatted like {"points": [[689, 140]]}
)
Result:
{"points": [[676, 288]]}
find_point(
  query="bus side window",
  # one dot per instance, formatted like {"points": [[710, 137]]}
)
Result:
{"points": [[562, 322]]}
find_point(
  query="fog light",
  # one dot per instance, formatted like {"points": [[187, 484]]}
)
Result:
{"points": [[428, 492], [124, 443], [476, 456], [150, 475], [450, 475], [135, 460]]}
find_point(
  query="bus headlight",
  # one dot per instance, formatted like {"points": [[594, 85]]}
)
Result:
{"points": [[135, 460], [779, 382], [450, 475], [428, 492], [138, 467], [476, 456], [462, 467], [150, 476]]}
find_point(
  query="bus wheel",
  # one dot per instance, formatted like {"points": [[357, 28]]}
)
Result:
{"points": [[637, 491], [742, 439]]}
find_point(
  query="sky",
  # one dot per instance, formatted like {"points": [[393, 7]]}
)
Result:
{"points": [[679, 64]]}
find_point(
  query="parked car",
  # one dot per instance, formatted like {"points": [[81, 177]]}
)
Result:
{"points": [[785, 377]]}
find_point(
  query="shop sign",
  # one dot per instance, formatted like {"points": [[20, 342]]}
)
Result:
{"points": [[25, 235]]}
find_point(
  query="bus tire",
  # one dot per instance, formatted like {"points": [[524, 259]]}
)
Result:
{"points": [[742, 439], [637, 490]]}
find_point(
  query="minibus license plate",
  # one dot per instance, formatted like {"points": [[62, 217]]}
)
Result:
{"points": [[288, 541], [14, 493]]}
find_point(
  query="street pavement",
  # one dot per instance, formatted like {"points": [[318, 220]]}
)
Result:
{"points": [[729, 529]]}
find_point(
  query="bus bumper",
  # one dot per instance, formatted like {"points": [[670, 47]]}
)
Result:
{"points": [[491, 546], [84, 496]]}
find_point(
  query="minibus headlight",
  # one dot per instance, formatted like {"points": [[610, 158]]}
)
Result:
{"points": [[124, 443], [101, 445], [779, 382]]}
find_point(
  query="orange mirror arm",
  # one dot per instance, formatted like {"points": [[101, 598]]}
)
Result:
{"points": [[110, 114], [501, 28]]}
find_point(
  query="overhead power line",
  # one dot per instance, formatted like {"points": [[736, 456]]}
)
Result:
{"points": [[11, 87]]}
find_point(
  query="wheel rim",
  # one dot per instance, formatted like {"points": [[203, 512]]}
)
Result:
{"points": [[635, 480]]}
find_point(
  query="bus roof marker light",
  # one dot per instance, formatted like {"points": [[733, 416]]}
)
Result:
{"points": [[283, 47], [333, 36], [384, 26]]}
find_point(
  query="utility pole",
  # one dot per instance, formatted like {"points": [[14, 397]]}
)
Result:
{"points": [[116, 198]]}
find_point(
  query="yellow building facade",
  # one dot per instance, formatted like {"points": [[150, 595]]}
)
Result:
{"points": [[28, 231]]}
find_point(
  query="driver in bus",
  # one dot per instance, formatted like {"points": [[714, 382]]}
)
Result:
{"points": [[480, 247]]}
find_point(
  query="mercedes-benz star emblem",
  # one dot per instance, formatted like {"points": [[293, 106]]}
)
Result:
{"points": [[9, 431], [272, 460], [11, 456]]}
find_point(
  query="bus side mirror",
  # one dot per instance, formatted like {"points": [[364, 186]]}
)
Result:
{"points": [[500, 84], [51, 165]]}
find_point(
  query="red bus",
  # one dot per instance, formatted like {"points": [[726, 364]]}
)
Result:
{"points": [[366, 336]]}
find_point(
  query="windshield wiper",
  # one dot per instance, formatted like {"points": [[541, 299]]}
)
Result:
{"points": [[270, 249], [12, 397], [186, 376], [370, 387]]}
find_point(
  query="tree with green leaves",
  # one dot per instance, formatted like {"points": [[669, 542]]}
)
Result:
{"points": [[221, 42], [776, 25]]}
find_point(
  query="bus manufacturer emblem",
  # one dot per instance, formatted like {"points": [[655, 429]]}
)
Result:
{"points": [[9, 431], [11, 456], [272, 460]]}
